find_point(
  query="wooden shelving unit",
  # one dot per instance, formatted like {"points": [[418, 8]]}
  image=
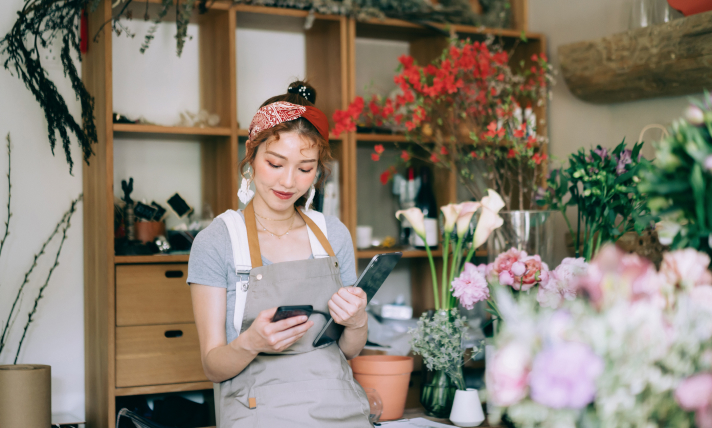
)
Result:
{"points": [[115, 330]]}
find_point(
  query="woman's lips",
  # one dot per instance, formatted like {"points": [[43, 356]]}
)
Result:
{"points": [[283, 195]]}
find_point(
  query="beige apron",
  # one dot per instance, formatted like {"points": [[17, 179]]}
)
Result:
{"points": [[302, 386]]}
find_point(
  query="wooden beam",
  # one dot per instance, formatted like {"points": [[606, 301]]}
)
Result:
{"points": [[669, 59]]}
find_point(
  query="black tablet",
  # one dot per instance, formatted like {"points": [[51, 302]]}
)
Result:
{"points": [[370, 280]]}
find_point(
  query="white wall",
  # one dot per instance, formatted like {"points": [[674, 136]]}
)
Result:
{"points": [[575, 123], [42, 191]]}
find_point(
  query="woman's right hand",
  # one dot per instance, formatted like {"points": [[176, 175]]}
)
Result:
{"points": [[270, 337]]}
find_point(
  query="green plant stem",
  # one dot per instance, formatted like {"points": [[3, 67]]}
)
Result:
{"points": [[446, 252], [433, 273], [455, 258], [598, 244]]}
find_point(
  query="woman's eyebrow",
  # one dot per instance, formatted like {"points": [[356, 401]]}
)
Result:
{"points": [[282, 157]]}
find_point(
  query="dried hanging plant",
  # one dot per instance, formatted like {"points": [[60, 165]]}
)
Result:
{"points": [[39, 24], [495, 13], [62, 226]]}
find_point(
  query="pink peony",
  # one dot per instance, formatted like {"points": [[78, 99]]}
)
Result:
{"points": [[537, 272], [686, 268], [703, 417], [614, 275], [695, 392], [470, 287], [507, 374], [504, 261], [562, 283], [702, 295]]}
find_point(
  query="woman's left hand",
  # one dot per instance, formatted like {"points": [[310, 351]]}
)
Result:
{"points": [[348, 307]]}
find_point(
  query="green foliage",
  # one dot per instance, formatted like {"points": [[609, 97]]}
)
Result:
{"points": [[603, 187], [438, 338], [679, 182]]}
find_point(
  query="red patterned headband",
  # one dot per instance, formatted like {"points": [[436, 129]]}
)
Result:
{"points": [[273, 114]]}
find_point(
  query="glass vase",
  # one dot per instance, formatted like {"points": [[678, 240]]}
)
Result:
{"points": [[530, 231], [437, 393]]}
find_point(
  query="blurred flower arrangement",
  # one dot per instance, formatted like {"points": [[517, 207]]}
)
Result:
{"points": [[603, 186], [464, 112], [634, 351], [678, 181]]}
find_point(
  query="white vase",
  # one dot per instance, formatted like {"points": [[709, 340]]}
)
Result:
{"points": [[467, 409]]}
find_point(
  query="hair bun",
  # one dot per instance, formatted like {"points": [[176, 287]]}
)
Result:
{"points": [[303, 89]]}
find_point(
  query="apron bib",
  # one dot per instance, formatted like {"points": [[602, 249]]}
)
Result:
{"points": [[302, 386]]}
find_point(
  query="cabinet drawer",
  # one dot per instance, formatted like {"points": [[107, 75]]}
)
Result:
{"points": [[158, 354], [152, 294]]}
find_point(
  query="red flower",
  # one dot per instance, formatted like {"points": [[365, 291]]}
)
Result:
{"points": [[500, 77], [512, 153], [538, 158], [443, 150], [409, 125], [406, 60], [519, 133], [379, 148], [405, 156], [434, 159], [473, 154], [385, 177], [531, 141], [535, 57], [375, 157]]}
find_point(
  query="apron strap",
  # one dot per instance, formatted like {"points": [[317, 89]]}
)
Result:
{"points": [[254, 243], [252, 239], [318, 233]]}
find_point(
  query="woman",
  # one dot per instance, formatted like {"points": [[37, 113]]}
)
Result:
{"points": [[278, 252]]}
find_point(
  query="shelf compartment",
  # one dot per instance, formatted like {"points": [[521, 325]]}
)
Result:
{"points": [[408, 253], [136, 128], [160, 389], [157, 258]]}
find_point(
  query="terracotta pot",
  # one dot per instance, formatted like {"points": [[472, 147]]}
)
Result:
{"points": [[146, 231], [691, 7], [390, 376]]}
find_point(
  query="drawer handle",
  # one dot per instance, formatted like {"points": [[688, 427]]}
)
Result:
{"points": [[173, 333], [174, 274]]}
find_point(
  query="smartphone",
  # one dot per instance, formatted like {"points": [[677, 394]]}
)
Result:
{"points": [[284, 312], [370, 281]]}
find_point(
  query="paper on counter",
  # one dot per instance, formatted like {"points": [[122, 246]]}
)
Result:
{"points": [[415, 423]]}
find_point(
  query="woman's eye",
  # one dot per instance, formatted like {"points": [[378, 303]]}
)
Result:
{"points": [[306, 171], [273, 165]]}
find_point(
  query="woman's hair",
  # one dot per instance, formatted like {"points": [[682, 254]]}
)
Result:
{"points": [[303, 94]]}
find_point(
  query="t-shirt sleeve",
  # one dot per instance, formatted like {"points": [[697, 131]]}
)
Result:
{"points": [[340, 240], [207, 264]]}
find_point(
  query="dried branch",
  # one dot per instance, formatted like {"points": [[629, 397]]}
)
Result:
{"points": [[9, 194], [8, 324], [67, 218]]}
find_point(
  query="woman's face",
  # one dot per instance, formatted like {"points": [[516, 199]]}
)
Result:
{"points": [[284, 170]]}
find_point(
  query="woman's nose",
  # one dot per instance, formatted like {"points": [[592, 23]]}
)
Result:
{"points": [[288, 178]]}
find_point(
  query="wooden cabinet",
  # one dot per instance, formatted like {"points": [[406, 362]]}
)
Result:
{"points": [[140, 336]]}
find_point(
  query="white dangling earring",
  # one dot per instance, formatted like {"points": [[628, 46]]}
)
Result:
{"points": [[312, 192], [245, 193]]}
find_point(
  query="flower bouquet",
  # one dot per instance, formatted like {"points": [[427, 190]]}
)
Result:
{"points": [[678, 181], [468, 111], [602, 184], [633, 349], [439, 335]]}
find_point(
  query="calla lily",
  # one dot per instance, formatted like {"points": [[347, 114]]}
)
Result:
{"points": [[489, 219], [467, 210], [415, 218], [450, 212]]}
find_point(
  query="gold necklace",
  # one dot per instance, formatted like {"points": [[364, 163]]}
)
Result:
{"points": [[278, 236], [280, 219]]}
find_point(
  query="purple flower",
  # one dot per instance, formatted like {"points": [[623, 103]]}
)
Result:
{"points": [[564, 376], [470, 287], [708, 163], [600, 151], [623, 160]]}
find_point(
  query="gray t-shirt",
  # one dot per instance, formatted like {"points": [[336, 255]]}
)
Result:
{"points": [[211, 262]]}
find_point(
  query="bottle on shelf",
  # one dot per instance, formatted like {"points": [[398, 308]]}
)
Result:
{"points": [[406, 199], [425, 200]]}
